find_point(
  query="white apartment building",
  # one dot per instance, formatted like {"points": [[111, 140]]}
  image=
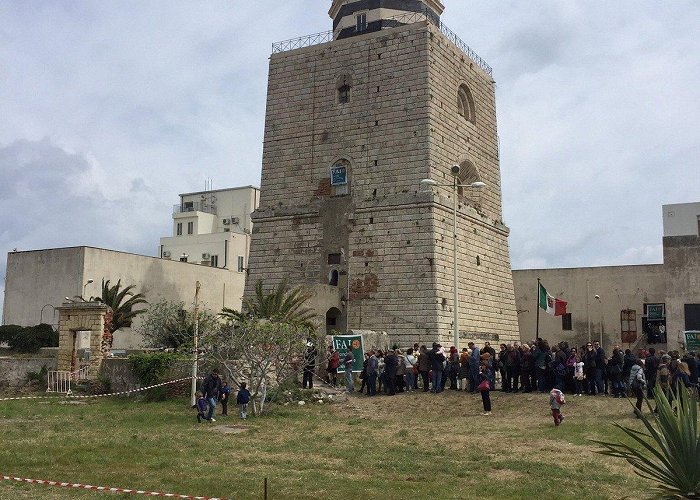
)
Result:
{"points": [[213, 228]]}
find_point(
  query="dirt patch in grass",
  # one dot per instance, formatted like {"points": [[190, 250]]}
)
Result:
{"points": [[231, 429]]}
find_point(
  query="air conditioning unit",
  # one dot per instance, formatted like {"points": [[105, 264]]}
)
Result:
{"points": [[206, 256], [227, 222], [166, 254], [235, 220]]}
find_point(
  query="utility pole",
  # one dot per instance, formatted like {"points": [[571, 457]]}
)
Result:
{"points": [[588, 306], [195, 354]]}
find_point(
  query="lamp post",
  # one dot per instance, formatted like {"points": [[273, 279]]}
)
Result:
{"points": [[41, 314], [600, 307], [455, 283], [588, 310], [85, 286]]}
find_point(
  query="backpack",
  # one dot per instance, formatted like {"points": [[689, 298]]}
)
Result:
{"points": [[636, 383], [663, 376]]}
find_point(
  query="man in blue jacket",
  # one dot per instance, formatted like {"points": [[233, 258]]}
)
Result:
{"points": [[474, 360], [211, 388]]}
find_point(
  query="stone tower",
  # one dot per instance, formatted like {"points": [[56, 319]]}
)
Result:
{"points": [[356, 119]]}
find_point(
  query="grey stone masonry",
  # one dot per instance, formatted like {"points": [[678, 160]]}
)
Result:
{"points": [[389, 239]]}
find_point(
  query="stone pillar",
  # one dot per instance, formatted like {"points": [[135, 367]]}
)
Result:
{"points": [[81, 316]]}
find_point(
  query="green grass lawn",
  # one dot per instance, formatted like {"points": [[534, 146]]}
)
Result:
{"points": [[409, 446]]}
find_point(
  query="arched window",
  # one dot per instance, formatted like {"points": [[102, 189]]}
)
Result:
{"points": [[468, 174], [344, 94], [343, 88], [465, 104]]}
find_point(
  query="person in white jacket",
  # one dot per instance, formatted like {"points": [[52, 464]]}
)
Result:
{"points": [[638, 383], [579, 376]]}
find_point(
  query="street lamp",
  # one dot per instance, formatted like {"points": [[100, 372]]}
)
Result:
{"points": [[455, 284], [85, 286], [600, 307], [41, 314]]}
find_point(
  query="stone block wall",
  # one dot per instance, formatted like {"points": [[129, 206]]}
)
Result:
{"points": [[400, 126], [13, 370]]}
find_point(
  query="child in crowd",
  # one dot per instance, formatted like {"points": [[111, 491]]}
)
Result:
{"points": [[242, 400], [556, 401], [485, 375], [202, 407], [579, 376], [223, 397]]}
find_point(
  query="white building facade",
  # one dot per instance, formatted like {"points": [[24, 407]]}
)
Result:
{"points": [[212, 228]]}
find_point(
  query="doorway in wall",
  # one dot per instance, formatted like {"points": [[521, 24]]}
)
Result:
{"points": [[334, 321]]}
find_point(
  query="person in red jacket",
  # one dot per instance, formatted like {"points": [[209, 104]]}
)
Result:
{"points": [[332, 369]]}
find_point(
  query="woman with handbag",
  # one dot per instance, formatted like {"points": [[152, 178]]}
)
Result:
{"points": [[411, 371], [485, 388]]}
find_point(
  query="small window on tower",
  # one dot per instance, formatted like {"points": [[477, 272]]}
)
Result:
{"points": [[361, 22], [334, 258], [344, 94], [178, 229]]}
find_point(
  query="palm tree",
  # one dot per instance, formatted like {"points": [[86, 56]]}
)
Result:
{"points": [[122, 302], [669, 452], [282, 304]]}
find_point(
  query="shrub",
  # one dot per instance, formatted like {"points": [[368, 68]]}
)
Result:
{"points": [[102, 385], [9, 332], [29, 339], [150, 368], [40, 376]]}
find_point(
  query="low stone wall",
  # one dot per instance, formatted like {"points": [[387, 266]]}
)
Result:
{"points": [[13, 370], [118, 372]]}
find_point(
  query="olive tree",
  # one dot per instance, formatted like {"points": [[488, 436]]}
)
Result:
{"points": [[260, 352]]}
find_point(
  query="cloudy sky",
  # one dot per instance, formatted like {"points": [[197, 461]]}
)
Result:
{"points": [[109, 109]]}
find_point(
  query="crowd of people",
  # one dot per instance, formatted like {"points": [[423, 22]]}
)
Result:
{"points": [[519, 367]]}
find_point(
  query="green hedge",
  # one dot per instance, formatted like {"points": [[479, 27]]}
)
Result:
{"points": [[30, 338]]}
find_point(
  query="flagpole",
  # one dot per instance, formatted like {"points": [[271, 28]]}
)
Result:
{"points": [[537, 328]]}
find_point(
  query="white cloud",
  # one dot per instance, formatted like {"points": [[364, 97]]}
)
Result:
{"points": [[124, 105]]}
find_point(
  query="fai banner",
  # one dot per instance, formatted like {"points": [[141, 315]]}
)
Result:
{"points": [[342, 343], [692, 340]]}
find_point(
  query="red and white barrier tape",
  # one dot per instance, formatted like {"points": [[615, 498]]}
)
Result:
{"points": [[70, 396], [105, 488]]}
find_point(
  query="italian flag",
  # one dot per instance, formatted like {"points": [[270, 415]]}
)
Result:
{"points": [[550, 304]]}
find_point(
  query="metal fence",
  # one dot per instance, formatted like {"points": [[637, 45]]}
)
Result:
{"points": [[304, 41], [194, 206], [403, 19], [60, 381]]}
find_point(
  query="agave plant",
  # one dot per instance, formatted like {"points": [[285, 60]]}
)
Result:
{"points": [[282, 304], [668, 452]]}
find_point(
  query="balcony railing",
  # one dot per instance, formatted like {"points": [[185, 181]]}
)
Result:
{"points": [[194, 206], [403, 19]]}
